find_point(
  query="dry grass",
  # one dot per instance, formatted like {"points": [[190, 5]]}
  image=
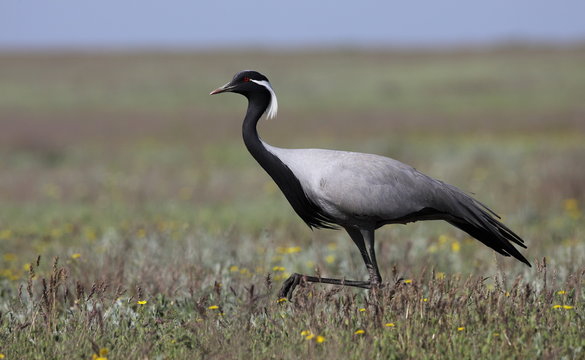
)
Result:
{"points": [[184, 311]]}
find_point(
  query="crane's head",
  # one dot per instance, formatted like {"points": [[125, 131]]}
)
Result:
{"points": [[248, 82]]}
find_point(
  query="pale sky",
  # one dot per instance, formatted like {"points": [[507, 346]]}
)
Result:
{"points": [[264, 23]]}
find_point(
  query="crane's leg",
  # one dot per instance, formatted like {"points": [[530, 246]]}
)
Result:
{"points": [[364, 239], [288, 287], [357, 235]]}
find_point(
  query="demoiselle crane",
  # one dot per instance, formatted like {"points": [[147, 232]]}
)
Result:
{"points": [[359, 192]]}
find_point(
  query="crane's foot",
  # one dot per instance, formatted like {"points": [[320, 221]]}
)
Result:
{"points": [[289, 285]]}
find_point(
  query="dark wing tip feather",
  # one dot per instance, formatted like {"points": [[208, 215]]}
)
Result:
{"points": [[497, 241], [482, 223]]}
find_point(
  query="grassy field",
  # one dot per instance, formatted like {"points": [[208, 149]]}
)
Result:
{"points": [[134, 224]]}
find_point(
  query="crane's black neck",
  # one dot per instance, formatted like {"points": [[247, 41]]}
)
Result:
{"points": [[282, 175], [257, 105]]}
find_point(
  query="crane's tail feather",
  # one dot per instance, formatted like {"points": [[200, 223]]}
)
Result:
{"points": [[497, 241], [479, 221]]}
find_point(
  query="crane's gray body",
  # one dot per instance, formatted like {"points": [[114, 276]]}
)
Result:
{"points": [[370, 190]]}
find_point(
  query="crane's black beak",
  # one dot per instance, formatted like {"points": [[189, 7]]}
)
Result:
{"points": [[226, 87]]}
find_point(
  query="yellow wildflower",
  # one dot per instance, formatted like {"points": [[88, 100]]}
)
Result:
{"points": [[455, 246], [5, 234], [75, 256], [359, 332], [566, 307], [2, 356], [362, 309], [309, 336], [572, 208], [234, 268], [440, 275], [56, 233], [288, 250], [432, 249], [496, 334], [408, 281], [282, 276], [305, 332], [425, 299], [561, 292], [320, 339], [90, 234], [390, 325], [102, 355], [141, 302], [10, 274], [281, 300], [443, 239], [294, 249], [571, 204], [278, 268], [213, 307], [330, 259], [9, 257], [461, 328]]}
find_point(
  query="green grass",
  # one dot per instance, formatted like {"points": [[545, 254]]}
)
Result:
{"points": [[124, 169]]}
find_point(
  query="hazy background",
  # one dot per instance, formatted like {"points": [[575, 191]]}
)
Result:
{"points": [[105, 112], [181, 24]]}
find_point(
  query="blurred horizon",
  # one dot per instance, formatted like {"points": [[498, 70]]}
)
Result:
{"points": [[184, 25]]}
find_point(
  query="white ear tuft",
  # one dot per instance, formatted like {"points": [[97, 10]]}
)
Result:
{"points": [[273, 106]]}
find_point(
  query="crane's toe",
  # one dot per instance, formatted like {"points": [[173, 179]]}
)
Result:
{"points": [[289, 285]]}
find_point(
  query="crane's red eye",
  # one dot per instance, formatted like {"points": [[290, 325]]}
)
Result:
{"points": [[246, 79]]}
